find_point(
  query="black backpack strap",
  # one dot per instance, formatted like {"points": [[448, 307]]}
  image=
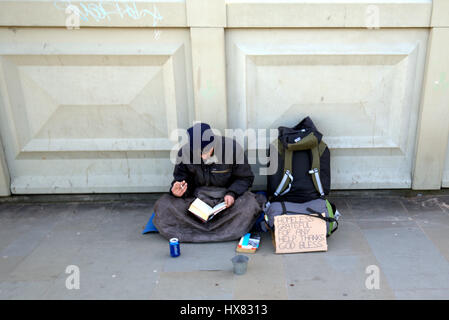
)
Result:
{"points": [[284, 208], [327, 219]]}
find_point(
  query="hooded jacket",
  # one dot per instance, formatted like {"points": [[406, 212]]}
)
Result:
{"points": [[228, 167]]}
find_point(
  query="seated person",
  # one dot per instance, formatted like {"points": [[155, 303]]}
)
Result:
{"points": [[213, 168]]}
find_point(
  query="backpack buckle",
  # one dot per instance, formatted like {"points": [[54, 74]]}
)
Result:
{"points": [[287, 175], [315, 172]]}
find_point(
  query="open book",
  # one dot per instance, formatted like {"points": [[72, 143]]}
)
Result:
{"points": [[205, 212]]}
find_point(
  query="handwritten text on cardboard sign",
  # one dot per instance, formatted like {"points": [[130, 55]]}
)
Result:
{"points": [[299, 233]]}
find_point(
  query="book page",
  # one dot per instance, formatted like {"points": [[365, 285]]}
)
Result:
{"points": [[204, 211], [202, 206], [219, 207], [199, 213]]}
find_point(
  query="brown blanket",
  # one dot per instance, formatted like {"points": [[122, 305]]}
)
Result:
{"points": [[173, 220]]}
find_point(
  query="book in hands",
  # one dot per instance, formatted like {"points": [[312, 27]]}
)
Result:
{"points": [[205, 212]]}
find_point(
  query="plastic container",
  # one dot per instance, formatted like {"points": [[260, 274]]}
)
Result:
{"points": [[240, 263]]}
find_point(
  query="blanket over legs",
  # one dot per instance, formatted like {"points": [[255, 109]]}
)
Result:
{"points": [[173, 220]]}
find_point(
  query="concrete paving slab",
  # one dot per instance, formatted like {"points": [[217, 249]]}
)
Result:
{"points": [[427, 211], [367, 225], [85, 215], [423, 204], [27, 240], [348, 240], [408, 258], [9, 211], [48, 260], [200, 256], [111, 284], [111, 270], [141, 208], [439, 235], [30, 224], [264, 278], [432, 199], [407, 237], [423, 294], [444, 203], [8, 233], [323, 276], [377, 209], [123, 222], [23, 290], [197, 285], [7, 265], [79, 225]]}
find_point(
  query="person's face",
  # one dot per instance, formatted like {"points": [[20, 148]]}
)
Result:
{"points": [[207, 154]]}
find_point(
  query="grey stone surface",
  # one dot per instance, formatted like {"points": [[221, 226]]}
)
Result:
{"points": [[405, 235], [348, 240], [408, 258], [423, 294], [111, 270], [444, 204], [196, 285], [23, 290], [440, 238], [265, 277], [377, 209], [323, 276], [200, 256]]}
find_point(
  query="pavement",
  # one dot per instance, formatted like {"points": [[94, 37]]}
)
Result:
{"points": [[46, 241]]}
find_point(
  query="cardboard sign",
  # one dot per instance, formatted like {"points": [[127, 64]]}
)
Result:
{"points": [[299, 233]]}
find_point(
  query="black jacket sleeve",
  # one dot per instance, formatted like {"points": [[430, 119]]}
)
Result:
{"points": [[242, 175], [243, 178], [181, 173]]}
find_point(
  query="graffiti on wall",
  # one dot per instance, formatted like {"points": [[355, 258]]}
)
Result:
{"points": [[104, 11]]}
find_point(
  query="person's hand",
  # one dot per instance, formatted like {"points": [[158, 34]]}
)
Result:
{"points": [[229, 200], [179, 188]]}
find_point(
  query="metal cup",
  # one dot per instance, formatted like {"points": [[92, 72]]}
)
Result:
{"points": [[240, 263]]}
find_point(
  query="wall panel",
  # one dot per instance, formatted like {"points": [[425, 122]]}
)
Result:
{"points": [[95, 117]]}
